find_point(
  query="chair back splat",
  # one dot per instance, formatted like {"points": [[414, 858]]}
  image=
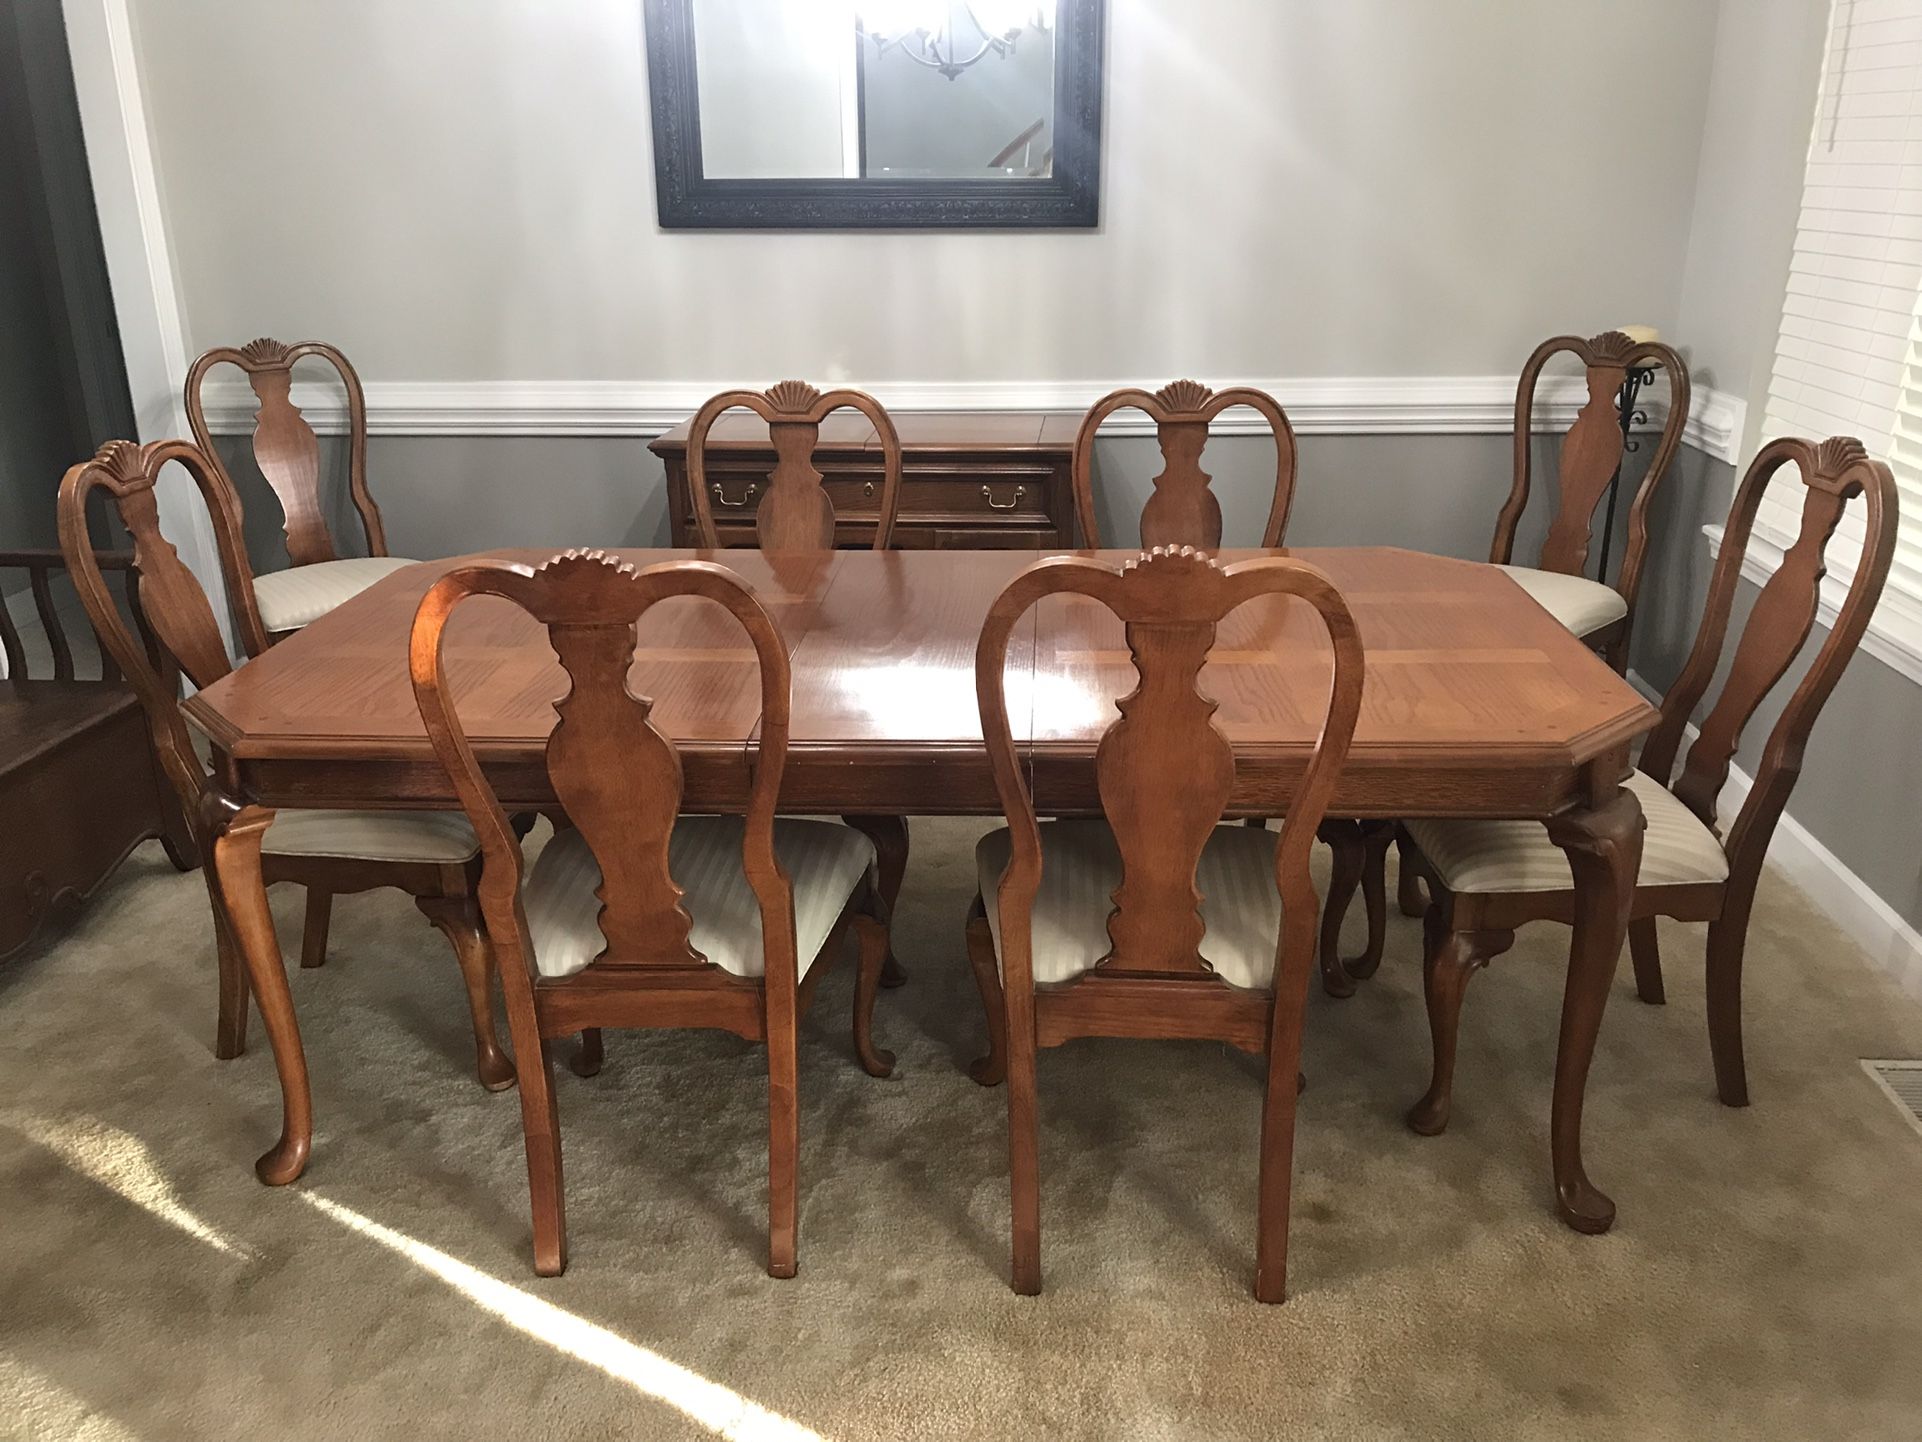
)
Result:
{"points": [[1590, 454], [179, 619], [1183, 511], [285, 447], [1832, 474], [796, 514], [616, 774], [1164, 769]]}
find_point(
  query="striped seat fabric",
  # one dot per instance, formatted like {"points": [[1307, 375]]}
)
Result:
{"points": [[430, 836], [1517, 856], [1080, 869], [1582, 605], [290, 599], [825, 861]]}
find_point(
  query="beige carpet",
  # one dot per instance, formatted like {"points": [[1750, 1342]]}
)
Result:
{"points": [[1764, 1278]]}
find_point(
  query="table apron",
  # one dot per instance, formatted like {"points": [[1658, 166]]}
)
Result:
{"points": [[922, 784]]}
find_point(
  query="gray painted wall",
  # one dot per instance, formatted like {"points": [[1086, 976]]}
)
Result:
{"points": [[1315, 188]]}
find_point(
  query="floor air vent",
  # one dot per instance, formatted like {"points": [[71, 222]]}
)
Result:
{"points": [[1902, 1082]]}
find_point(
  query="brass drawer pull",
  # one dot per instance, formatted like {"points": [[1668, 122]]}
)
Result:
{"points": [[1013, 501], [867, 490], [721, 496]]}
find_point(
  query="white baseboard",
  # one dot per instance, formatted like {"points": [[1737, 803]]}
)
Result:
{"points": [[1892, 945], [1316, 405]]}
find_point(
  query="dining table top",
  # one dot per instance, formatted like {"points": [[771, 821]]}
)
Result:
{"points": [[1475, 700]]}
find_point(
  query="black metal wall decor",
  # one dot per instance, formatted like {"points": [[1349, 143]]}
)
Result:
{"points": [[689, 199], [1630, 415]]}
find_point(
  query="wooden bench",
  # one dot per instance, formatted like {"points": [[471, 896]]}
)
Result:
{"points": [[78, 785]]}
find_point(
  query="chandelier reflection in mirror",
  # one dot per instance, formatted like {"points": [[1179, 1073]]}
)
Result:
{"points": [[951, 35]]}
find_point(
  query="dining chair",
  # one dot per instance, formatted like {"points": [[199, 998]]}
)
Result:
{"points": [[1487, 878], [1599, 611], [796, 513], [1157, 921], [634, 915], [1183, 510], [432, 856], [287, 452], [1591, 452]]}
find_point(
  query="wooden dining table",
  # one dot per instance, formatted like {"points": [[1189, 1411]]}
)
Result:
{"points": [[1476, 703]]}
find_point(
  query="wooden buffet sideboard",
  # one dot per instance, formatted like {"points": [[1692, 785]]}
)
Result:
{"points": [[969, 481]]}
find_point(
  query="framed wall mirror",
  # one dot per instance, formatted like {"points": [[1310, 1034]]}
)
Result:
{"points": [[875, 114]]}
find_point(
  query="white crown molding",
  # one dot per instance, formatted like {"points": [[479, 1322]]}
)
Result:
{"points": [[1893, 946], [1365, 405]]}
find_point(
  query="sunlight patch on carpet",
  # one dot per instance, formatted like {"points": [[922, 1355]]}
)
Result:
{"points": [[123, 1164], [720, 1409], [43, 1411]]}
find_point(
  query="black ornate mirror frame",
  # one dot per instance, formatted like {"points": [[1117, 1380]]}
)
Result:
{"points": [[689, 200]]}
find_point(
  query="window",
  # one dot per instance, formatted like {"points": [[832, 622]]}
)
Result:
{"points": [[1849, 357]]}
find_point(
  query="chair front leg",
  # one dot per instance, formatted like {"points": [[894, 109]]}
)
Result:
{"points": [[458, 919], [588, 1056], [313, 932], [1645, 951], [990, 1070], [234, 997], [1344, 839], [1727, 937], [1452, 957], [871, 938], [1408, 881]]}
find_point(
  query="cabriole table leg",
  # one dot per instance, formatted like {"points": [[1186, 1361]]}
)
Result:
{"points": [[1604, 847]]}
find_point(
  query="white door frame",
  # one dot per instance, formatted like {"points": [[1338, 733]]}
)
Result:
{"points": [[133, 233]]}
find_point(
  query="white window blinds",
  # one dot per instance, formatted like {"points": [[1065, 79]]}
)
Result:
{"points": [[1849, 357]]}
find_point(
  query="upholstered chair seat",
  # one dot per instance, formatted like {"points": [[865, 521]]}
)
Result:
{"points": [[292, 598], [1080, 869], [433, 837], [1582, 605], [1511, 856], [825, 861]]}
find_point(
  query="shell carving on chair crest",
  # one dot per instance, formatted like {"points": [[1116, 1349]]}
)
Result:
{"points": [[265, 353], [577, 558], [124, 462], [1838, 453], [1169, 558], [793, 397], [1184, 395], [1610, 345]]}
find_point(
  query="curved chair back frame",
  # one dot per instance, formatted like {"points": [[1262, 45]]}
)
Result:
{"points": [[1832, 474], [1183, 511], [179, 615], [285, 447], [1164, 769], [796, 513], [616, 774], [1590, 454]]}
